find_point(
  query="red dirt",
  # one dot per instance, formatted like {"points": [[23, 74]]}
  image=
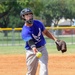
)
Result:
{"points": [[57, 65]]}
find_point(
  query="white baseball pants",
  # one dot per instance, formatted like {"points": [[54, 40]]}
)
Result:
{"points": [[32, 64]]}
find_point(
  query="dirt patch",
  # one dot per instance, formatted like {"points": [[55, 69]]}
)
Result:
{"points": [[57, 65]]}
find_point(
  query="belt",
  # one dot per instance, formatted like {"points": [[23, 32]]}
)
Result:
{"points": [[39, 46]]}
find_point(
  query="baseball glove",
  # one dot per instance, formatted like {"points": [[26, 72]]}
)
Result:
{"points": [[61, 45]]}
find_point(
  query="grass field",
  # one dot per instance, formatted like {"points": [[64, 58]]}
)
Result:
{"points": [[51, 48]]}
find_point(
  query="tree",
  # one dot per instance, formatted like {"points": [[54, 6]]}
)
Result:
{"points": [[70, 12], [44, 9], [7, 12], [52, 10], [56, 9]]}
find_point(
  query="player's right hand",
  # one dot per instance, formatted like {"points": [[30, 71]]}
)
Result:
{"points": [[34, 50]]}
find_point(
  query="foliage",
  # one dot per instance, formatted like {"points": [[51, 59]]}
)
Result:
{"points": [[11, 18], [56, 9], [44, 9], [71, 9]]}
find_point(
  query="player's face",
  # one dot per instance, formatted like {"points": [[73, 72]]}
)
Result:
{"points": [[28, 16]]}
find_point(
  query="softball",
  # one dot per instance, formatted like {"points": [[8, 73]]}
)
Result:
{"points": [[38, 54]]}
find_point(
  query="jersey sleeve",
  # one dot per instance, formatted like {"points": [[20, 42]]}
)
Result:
{"points": [[26, 36]]}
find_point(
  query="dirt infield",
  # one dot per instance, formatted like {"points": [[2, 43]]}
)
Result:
{"points": [[57, 65]]}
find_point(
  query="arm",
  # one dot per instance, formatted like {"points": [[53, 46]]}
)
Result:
{"points": [[61, 45], [49, 35], [32, 45], [27, 38]]}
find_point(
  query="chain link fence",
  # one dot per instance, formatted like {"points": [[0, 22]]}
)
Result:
{"points": [[10, 36]]}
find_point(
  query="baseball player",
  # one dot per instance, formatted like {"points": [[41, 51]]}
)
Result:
{"points": [[33, 34]]}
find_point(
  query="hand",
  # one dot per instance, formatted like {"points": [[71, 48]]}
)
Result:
{"points": [[34, 50]]}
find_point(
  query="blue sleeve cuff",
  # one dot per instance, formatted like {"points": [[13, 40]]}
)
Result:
{"points": [[27, 39]]}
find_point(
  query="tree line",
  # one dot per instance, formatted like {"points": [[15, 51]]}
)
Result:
{"points": [[45, 10]]}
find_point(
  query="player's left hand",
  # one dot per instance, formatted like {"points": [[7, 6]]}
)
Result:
{"points": [[61, 45]]}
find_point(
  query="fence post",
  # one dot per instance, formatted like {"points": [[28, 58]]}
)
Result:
{"points": [[13, 36]]}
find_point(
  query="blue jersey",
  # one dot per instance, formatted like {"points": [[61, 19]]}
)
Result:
{"points": [[33, 32]]}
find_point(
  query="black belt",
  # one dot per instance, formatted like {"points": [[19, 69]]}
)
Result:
{"points": [[39, 46]]}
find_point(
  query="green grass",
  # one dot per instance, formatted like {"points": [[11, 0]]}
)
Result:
{"points": [[66, 39], [15, 38], [5, 50], [53, 50], [12, 50]]}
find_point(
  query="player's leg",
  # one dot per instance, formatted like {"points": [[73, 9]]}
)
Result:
{"points": [[43, 61], [31, 65]]}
